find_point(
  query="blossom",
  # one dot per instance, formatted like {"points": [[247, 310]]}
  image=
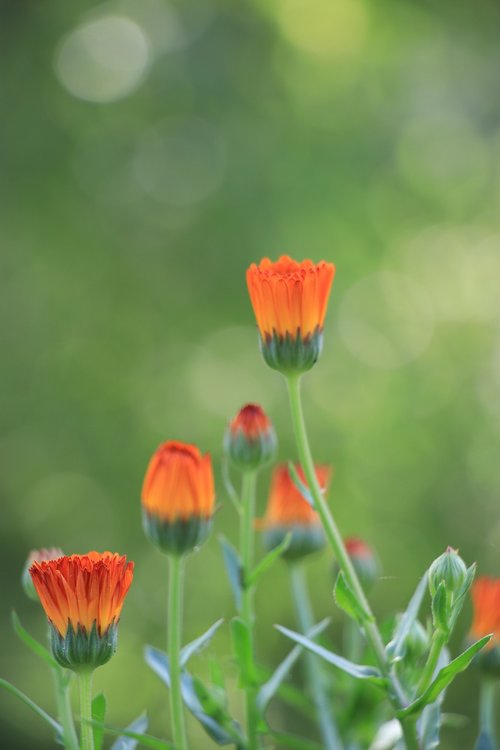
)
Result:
{"points": [[250, 440], [178, 497], [290, 300], [83, 596]]}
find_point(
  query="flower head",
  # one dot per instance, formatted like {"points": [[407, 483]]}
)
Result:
{"points": [[250, 440], [83, 596], [289, 513], [37, 555], [485, 593], [290, 300], [178, 497], [364, 560]]}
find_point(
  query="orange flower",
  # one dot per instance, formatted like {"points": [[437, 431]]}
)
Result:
{"points": [[81, 590], [178, 497], [250, 439], [287, 511], [290, 301], [485, 594]]}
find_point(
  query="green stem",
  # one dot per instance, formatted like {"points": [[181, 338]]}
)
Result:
{"points": [[87, 733], [247, 614], [62, 681], [487, 712], [335, 539], [438, 641], [315, 674], [175, 564]]}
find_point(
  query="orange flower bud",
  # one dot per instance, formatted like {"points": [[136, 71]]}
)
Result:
{"points": [[178, 497], [485, 593], [288, 512], [250, 440], [82, 596], [364, 560], [290, 301]]}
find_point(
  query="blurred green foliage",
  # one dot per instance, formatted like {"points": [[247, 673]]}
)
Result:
{"points": [[151, 151]]}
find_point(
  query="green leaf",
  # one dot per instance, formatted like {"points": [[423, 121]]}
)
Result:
{"points": [[440, 609], [430, 726], [32, 643], [143, 739], [272, 685], [138, 726], [347, 601], [444, 677], [304, 491], [98, 716], [158, 661], [358, 671], [396, 648], [199, 643], [268, 561], [234, 570], [242, 645], [34, 707], [291, 742]]}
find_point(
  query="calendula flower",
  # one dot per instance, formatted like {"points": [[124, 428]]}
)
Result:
{"points": [[178, 497], [83, 596], [250, 440], [289, 513], [37, 555], [290, 300], [364, 560], [485, 593]]}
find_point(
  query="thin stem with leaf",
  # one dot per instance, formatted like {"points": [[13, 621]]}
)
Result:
{"points": [[174, 646]]}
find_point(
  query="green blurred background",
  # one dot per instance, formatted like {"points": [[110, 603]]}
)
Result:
{"points": [[151, 151]]}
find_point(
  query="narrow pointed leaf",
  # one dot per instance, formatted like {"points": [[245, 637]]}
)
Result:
{"points": [[138, 726], [444, 677], [304, 491], [98, 716], [242, 646], [396, 648], [359, 671], [269, 688], [347, 601], [199, 643], [234, 570], [32, 643], [146, 740], [268, 561], [34, 707], [158, 661]]}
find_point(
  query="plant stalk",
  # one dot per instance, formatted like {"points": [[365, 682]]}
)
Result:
{"points": [[86, 731], [335, 539], [438, 641], [64, 711], [247, 613], [314, 668], [175, 581]]}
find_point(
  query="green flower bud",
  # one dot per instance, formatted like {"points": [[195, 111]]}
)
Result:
{"points": [[250, 440], [450, 570]]}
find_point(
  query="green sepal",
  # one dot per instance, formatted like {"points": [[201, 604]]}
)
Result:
{"points": [[242, 647], [81, 649], [176, 537], [441, 612], [444, 677], [269, 560], [199, 643], [462, 594], [304, 540], [268, 690], [347, 601], [34, 706], [359, 671], [291, 354], [234, 570], [396, 648], [98, 717], [250, 453], [32, 643], [138, 726]]}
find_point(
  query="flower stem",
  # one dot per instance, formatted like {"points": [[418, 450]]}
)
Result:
{"points": [[86, 732], [174, 646], [314, 673], [487, 715], [62, 681], [247, 614], [438, 641], [335, 539]]}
